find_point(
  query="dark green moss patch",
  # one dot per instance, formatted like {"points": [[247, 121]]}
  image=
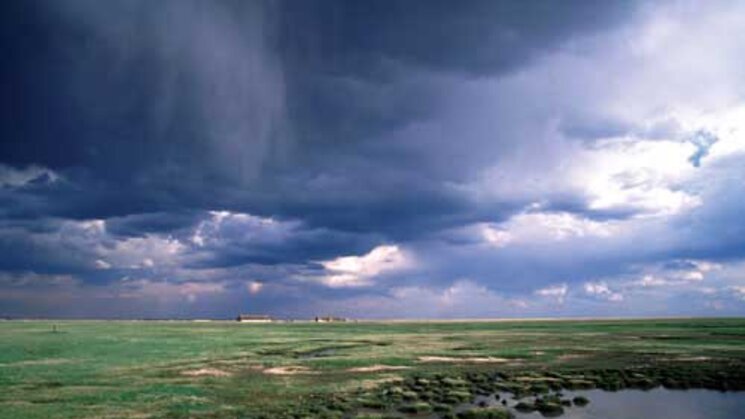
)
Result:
{"points": [[416, 408], [486, 413]]}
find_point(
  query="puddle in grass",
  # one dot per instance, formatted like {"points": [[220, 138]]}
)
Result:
{"points": [[637, 404]]}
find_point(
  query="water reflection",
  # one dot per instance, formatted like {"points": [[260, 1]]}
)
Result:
{"points": [[658, 404]]}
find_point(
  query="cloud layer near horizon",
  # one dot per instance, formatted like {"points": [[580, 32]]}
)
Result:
{"points": [[375, 159]]}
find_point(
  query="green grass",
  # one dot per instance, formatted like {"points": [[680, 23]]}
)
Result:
{"points": [[131, 368]]}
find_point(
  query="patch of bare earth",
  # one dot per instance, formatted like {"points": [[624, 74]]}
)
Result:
{"points": [[378, 368], [692, 358], [288, 370], [47, 361], [470, 360], [370, 384], [206, 372]]}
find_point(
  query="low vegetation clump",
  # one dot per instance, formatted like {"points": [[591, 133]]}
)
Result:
{"points": [[486, 413], [416, 408], [442, 408], [372, 403], [525, 407], [550, 406]]}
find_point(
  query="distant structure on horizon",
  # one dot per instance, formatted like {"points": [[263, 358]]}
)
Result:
{"points": [[253, 318], [331, 319]]}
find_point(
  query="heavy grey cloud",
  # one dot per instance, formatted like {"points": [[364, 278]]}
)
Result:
{"points": [[538, 156]]}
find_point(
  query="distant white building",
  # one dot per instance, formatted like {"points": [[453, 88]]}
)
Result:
{"points": [[330, 319], [253, 318]]}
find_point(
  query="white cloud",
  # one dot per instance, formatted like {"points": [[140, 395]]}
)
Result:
{"points": [[688, 272], [93, 227], [643, 89], [542, 227], [706, 266], [558, 292], [222, 226], [652, 281], [649, 175], [559, 226], [692, 276], [88, 244], [495, 236], [657, 282], [601, 290], [102, 264], [354, 271], [146, 252], [639, 175]]}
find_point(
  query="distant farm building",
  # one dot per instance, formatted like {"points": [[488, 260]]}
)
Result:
{"points": [[253, 318], [330, 319]]}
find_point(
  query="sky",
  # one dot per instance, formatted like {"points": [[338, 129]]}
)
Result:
{"points": [[372, 159]]}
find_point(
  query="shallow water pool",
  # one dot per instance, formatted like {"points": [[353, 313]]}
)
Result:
{"points": [[654, 404]]}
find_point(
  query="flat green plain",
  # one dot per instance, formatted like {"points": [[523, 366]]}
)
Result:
{"points": [[229, 369]]}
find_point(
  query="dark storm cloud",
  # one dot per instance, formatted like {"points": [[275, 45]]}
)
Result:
{"points": [[475, 36], [45, 247], [357, 71], [124, 99], [191, 105], [197, 149]]}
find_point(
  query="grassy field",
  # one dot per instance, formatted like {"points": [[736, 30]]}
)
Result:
{"points": [[226, 369]]}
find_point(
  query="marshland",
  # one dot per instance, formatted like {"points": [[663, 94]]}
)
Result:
{"points": [[469, 369]]}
